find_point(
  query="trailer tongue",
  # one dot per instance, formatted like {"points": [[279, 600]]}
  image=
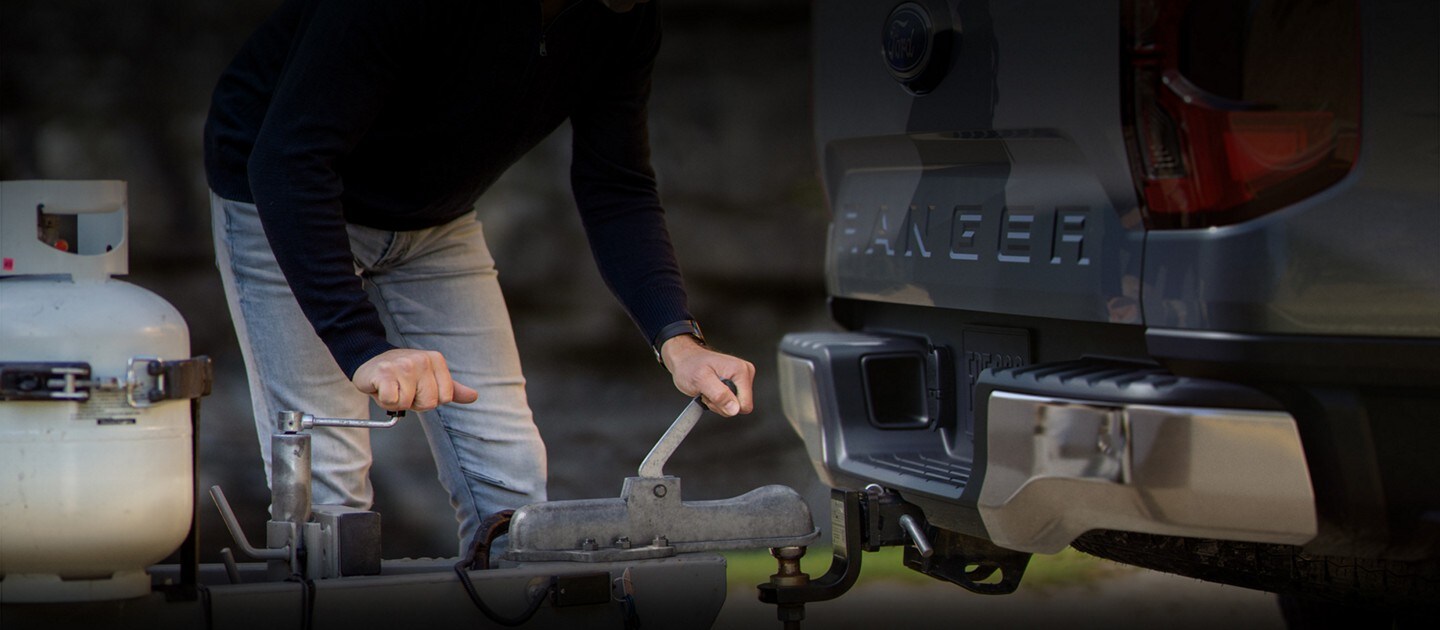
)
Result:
{"points": [[94, 397], [595, 563]]}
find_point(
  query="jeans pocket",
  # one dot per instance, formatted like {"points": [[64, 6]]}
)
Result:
{"points": [[370, 247]]}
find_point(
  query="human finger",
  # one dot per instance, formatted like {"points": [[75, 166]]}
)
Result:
{"points": [[386, 391], [427, 390], [444, 383], [465, 394], [718, 397], [744, 379]]}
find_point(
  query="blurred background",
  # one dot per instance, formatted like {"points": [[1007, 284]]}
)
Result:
{"points": [[98, 89]]}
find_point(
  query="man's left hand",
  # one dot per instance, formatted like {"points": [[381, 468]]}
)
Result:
{"points": [[698, 371]]}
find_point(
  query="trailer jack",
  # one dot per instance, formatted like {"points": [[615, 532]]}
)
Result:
{"points": [[875, 518]]}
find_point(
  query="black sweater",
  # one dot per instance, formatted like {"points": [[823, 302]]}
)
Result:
{"points": [[398, 114]]}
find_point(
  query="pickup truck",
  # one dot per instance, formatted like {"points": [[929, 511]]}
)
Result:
{"points": [[1159, 280]]}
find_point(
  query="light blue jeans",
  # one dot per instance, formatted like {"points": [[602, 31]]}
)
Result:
{"points": [[436, 289]]}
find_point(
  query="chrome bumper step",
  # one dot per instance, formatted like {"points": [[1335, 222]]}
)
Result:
{"points": [[1087, 445], [1054, 449]]}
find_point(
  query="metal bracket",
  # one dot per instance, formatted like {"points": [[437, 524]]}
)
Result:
{"points": [[45, 381], [890, 521], [232, 524], [301, 538], [144, 381], [147, 380], [971, 563], [846, 541], [875, 518], [859, 521]]}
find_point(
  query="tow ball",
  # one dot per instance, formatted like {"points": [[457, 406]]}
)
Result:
{"points": [[875, 518]]}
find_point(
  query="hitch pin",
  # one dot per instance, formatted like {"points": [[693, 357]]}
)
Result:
{"points": [[922, 544]]}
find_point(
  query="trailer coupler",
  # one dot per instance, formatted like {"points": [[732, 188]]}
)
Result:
{"points": [[875, 518]]}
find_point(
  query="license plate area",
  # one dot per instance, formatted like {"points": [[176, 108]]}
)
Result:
{"points": [[980, 348]]}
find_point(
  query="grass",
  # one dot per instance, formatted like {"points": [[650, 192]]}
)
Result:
{"points": [[1067, 568]]}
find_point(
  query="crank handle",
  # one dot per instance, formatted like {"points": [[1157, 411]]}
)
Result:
{"points": [[296, 421]]}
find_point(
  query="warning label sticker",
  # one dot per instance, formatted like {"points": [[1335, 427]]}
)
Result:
{"points": [[107, 407]]}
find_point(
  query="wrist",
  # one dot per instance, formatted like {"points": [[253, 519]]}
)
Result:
{"points": [[683, 329], [674, 350]]}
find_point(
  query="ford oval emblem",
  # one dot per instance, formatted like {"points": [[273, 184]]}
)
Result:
{"points": [[907, 41], [916, 46]]}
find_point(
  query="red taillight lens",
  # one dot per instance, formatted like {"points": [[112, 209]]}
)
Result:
{"points": [[1238, 108]]}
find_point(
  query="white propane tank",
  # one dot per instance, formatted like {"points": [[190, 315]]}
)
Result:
{"points": [[95, 478]]}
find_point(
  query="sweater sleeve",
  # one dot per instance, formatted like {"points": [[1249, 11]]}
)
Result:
{"points": [[615, 190], [344, 58]]}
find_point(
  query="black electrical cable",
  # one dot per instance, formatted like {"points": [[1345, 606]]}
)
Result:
{"points": [[631, 618], [461, 571], [206, 606], [493, 527], [307, 600], [309, 604]]}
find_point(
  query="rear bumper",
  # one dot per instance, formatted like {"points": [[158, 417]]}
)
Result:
{"points": [[1050, 451], [1058, 468]]}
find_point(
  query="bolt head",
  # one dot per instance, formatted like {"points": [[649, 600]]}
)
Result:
{"points": [[659, 490]]}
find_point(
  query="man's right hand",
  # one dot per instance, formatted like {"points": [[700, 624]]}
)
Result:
{"points": [[402, 379]]}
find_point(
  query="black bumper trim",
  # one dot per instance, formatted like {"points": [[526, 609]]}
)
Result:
{"points": [[1120, 382], [1390, 361]]}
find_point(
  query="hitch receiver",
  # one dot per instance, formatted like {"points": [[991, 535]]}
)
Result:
{"points": [[875, 518]]}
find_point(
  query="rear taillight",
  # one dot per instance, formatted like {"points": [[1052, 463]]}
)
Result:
{"points": [[1235, 108]]}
